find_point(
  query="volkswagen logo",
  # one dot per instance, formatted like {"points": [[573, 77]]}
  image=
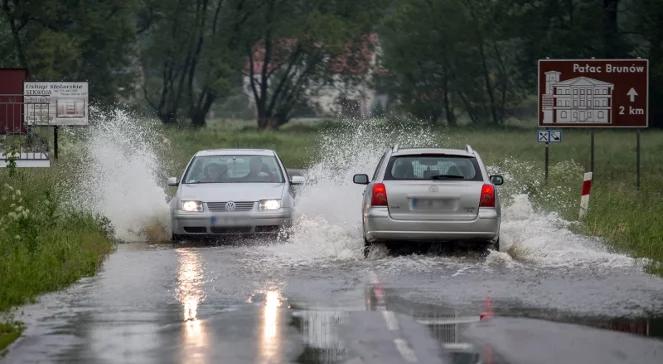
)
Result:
{"points": [[433, 188], [230, 206]]}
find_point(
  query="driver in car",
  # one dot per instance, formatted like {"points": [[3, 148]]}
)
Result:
{"points": [[214, 173], [258, 171]]}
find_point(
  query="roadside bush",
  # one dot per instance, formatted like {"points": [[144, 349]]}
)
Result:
{"points": [[44, 245]]}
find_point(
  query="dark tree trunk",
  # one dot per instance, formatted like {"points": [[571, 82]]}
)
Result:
{"points": [[16, 27], [448, 109], [611, 40]]}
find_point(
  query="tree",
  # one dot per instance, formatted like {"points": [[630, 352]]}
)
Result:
{"points": [[290, 46], [74, 41], [438, 67], [643, 25], [190, 58]]}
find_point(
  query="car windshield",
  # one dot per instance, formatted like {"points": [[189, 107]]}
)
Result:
{"points": [[234, 169], [433, 167]]}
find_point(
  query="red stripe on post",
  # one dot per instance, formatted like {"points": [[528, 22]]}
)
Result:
{"points": [[586, 187]]}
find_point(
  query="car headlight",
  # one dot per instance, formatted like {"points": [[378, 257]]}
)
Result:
{"points": [[270, 204], [191, 206]]}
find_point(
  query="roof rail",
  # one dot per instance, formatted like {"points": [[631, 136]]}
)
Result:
{"points": [[469, 149], [394, 149]]}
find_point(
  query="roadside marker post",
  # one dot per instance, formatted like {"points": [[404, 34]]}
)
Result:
{"points": [[584, 194]]}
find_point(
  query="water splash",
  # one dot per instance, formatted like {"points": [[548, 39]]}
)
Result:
{"points": [[328, 213], [120, 174]]}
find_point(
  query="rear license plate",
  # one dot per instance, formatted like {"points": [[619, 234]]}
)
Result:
{"points": [[431, 204]]}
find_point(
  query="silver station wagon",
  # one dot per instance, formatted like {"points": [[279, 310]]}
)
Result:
{"points": [[430, 194], [232, 191]]}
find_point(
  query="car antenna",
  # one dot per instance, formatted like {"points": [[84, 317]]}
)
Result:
{"points": [[469, 149], [395, 148]]}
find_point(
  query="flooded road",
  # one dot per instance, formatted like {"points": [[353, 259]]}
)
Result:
{"points": [[247, 303], [549, 296]]}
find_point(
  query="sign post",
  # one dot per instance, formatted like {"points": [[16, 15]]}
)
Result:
{"points": [[594, 93], [548, 136], [637, 160]]}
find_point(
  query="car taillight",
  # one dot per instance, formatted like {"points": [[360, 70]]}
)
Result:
{"points": [[487, 196], [379, 195]]}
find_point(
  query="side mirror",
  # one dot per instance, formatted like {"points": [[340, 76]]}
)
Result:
{"points": [[360, 179], [297, 180], [497, 180], [172, 181]]}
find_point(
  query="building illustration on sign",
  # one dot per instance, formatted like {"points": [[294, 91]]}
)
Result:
{"points": [[576, 100]]}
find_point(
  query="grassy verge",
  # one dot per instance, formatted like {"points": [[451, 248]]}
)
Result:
{"points": [[44, 245], [629, 220], [8, 333]]}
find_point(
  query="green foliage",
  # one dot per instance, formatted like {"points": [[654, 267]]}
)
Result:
{"points": [[44, 245], [8, 333], [79, 40], [479, 57]]}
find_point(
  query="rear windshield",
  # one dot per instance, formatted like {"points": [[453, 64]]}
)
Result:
{"points": [[234, 169], [433, 167]]}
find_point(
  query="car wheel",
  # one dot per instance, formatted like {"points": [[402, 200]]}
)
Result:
{"points": [[367, 247], [177, 238], [495, 244]]}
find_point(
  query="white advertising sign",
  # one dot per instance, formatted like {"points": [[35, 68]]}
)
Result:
{"points": [[55, 103]]}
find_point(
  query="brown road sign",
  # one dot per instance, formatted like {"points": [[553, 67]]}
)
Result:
{"points": [[595, 93]]}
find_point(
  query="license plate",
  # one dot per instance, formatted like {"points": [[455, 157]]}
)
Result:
{"points": [[430, 204]]}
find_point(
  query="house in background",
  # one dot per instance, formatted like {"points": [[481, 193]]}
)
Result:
{"points": [[576, 100], [349, 92]]}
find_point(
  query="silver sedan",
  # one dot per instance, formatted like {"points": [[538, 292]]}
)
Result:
{"points": [[431, 194], [232, 191]]}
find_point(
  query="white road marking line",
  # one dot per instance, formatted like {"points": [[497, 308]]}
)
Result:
{"points": [[406, 351], [392, 321], [450, 321]]}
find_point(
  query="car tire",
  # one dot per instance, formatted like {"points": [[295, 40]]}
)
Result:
{"points": [[495, 244], [367, 247], [176, 238]]}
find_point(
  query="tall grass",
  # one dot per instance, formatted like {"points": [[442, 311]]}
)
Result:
{"points": [[44, 244]]}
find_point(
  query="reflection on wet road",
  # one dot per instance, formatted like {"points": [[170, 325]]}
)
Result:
{"points": [[190, 294], [270, 322], [250, 304]]}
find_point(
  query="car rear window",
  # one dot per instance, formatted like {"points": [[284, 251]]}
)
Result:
{"points": [[433, 166]]}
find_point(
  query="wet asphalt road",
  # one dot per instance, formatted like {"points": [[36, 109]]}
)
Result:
{"points": [[257, 303]]}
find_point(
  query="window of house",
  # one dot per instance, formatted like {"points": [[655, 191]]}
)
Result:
{"points": [[600, 114], [575, 91], [563, 114], [575, 115]]}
